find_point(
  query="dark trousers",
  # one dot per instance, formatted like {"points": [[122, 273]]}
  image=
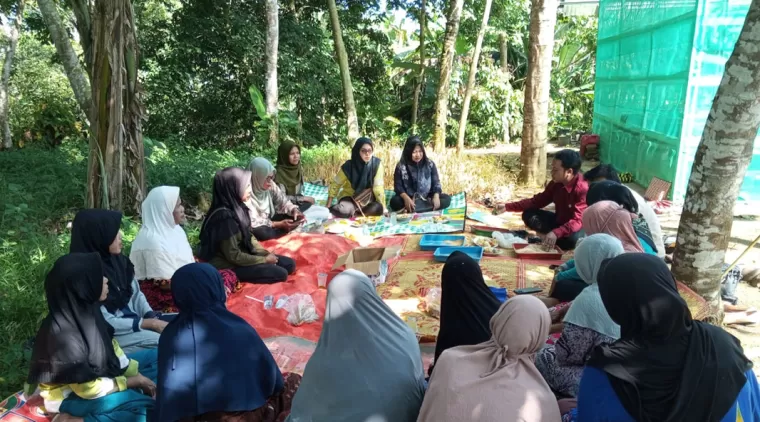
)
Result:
{"points": [[346, 208], [543, 222], [420, 205], [263, 233], [267, 273]]}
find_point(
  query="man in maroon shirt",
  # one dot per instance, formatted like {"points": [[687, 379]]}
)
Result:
{"points": [[567, 191]]}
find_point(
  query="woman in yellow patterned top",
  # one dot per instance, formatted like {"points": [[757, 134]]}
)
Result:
{"points": [[79, 367], [358, 184]]}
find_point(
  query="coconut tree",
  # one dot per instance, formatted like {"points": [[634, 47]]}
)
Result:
{"points": [[447, 65]]}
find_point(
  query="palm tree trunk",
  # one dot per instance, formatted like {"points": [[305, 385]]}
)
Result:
{"points": [[6, 76], [421, 75], [471, 77], [345, 75], [720, 163], [116, 170], [447, 64], [543, 17], [504, 50], [273, 38], [83, 14], [78, 78]]}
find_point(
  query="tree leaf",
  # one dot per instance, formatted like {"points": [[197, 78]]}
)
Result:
{"points": [[258, 102]]}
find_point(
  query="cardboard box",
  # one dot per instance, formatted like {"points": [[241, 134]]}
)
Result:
{"points": [[371, 261]]}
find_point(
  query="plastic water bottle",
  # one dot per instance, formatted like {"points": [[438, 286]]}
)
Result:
{"points": [[393, 218]]}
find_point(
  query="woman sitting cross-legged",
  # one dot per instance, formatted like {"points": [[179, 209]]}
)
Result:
{"points": [[81, 371], [226, 239], [272, 214], [161, 246], [212, 365], [603, 217], [467, 305], [359, 184], [416, 182], [136, 325], [290, 178], [665, 366], [586, 324], [367, 364], [495, 380]]}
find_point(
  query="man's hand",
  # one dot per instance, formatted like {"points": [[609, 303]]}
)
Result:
{"points": [[408, 203], [436, 201], [500, 209], [550, 239], [271, 259], [153, 324]]}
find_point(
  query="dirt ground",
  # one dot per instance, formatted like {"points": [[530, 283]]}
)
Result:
{"points": [[744, 231]]}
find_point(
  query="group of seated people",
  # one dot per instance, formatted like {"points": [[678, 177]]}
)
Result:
{"points": [[628, 348]]}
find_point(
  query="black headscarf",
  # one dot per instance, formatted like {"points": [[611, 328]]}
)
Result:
{"points": [[665, 366], [361, 174], [228, 214], [416, 177], [74, 342], [607, 190], [413, 142], [467, 304], [93, 230]]}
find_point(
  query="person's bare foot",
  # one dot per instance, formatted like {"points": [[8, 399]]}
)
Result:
{"points": [[741, 318], [727, 307]]}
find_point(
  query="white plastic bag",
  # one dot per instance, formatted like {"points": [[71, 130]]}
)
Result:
{"points": [[301, 309], [432, 302], [506, 240]]}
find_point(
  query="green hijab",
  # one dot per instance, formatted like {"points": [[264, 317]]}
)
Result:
{"points": [[287, 174]]}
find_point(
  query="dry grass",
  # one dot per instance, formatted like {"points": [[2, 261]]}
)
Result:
{"points": [[481, 176]]}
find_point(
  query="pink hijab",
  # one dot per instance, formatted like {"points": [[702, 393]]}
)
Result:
{"points": [[611, 218], [495, 380]]}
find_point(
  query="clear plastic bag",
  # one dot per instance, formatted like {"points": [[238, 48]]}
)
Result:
{"points": [[301, 309], [432, 302]]}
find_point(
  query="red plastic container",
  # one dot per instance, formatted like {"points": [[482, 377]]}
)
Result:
{"points": [[543, 256]]}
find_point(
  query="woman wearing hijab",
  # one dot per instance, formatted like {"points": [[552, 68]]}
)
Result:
{"points": [[290, 178], [665, 366], [495, 381], [416, 182], [272, 214], [79, 367], [603, 217], [136, 326], [358, 184], [367, 364], [226, 239], [586, 324], [160, 247], [195, 384], [644, 224], [467, 305]]}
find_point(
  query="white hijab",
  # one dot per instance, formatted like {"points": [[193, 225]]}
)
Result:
{"points": [[161, 245]]}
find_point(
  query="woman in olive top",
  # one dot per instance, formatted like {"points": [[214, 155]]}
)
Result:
{"points": [[359, 182], [226, 240]]}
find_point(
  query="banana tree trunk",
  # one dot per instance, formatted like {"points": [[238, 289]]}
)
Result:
{"points": [[504, 51], [447, 65], [78, 78], [6, 76], [273, 38], [116, 171], [352, 120], [421, 74], [471, 77], [720, 163], [543, 18]]}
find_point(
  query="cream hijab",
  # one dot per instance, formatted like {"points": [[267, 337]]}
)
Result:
{"points": [[260, 169], [161, 245], [495, 380]]}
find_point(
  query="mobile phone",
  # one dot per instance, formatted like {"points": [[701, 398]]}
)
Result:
{"points": [[528, 290]]}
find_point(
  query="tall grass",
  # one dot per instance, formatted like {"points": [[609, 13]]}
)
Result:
{"points": [[41, 190]]}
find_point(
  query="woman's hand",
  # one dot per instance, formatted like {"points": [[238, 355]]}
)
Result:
{"points": [[308, 199], [436, 201], [408, 203], [271, 259], [141, 382]]}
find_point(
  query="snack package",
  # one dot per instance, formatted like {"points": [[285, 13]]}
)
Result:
{"points": [[301, 309], [432, 302]]}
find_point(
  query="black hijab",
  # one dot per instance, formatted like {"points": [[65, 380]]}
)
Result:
{"points": [[228, 214], [361, 174], [607, 190], [93, 230], [467, 304], [665, 366], [74, 343]]}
